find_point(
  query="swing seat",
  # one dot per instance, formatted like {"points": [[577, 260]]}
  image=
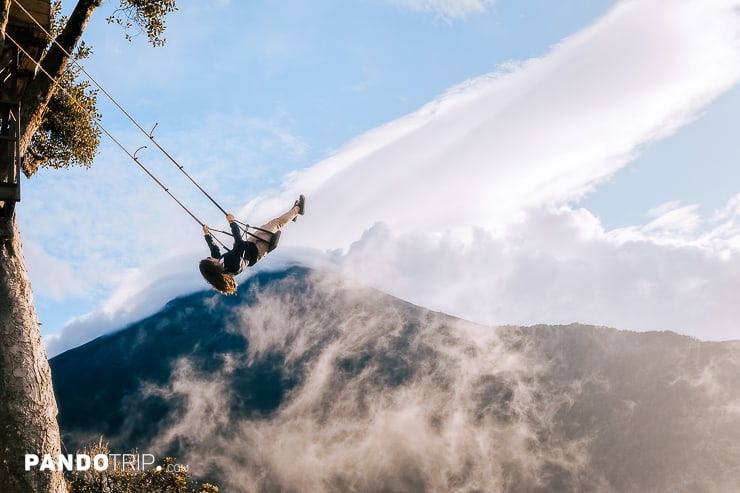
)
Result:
{"points": [[274, 237], [274, 241]]}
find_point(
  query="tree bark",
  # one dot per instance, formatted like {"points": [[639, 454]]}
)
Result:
{"points": [[28, 408]]}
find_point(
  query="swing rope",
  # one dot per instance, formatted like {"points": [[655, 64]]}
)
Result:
{"points": [[149, 135], [244, 227], [110, 135]]}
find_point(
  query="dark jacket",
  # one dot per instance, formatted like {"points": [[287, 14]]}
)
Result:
{"points": [[242, 254]]}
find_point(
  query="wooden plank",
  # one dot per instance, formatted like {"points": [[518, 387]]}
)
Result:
{"points": [[39, 9], [10, 192]]}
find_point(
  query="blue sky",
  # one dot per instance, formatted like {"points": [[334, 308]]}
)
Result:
{"points": [[696, 166], [417, 124]]}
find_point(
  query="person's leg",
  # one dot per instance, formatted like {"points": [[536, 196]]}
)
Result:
{"points": [[272, 227], [277, 224]]}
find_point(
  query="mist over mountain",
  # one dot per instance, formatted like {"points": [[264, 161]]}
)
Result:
{"points": [[305, 381]]}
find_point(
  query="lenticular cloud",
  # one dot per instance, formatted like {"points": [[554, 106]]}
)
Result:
{"points": [[545, 131]]}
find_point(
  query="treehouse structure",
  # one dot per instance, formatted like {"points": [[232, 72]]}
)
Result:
{"points": [[16, 70]]}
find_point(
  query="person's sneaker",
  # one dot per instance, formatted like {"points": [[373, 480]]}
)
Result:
{"points": [[301, 204]]}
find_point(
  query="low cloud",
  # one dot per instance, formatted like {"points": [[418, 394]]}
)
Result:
{"points": [[143, 292], [382, 403], [140, 293], [557, 265], [337, 387], [561, 266]]}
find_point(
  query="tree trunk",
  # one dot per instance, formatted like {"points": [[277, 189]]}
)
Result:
{"points": [[28, 408], [27, 405]]}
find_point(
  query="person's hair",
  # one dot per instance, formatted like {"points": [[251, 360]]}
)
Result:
{"points": [[213, 272]]}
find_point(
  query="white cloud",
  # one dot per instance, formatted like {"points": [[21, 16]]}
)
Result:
{"points": [[140, 293], [446, 9], [731, 209], [560, 266], [546, 132], [672, 217], [143, 291], [57, 278]]}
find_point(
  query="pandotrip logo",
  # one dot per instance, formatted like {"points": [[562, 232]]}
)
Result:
{"points": [[99, 462]]}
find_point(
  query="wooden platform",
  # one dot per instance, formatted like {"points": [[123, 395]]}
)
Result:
{"points": [[24, 30], [40, 9], [16, 70]]}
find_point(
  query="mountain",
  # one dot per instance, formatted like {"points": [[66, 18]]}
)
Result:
{"points": [[305, 381]]}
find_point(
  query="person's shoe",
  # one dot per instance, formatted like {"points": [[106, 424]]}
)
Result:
{"points": [[301, 204]]}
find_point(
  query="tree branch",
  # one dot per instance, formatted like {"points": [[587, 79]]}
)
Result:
{"points": [[39, 91]]}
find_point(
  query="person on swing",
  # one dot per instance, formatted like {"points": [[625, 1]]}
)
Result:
{"points": [[219, 269]]}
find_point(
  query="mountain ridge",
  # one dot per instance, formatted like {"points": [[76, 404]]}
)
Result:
{"points": [[294, 381]]}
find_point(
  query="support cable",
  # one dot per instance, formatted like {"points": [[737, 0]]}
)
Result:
{"points": [[110, 135], [149, 135]]}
